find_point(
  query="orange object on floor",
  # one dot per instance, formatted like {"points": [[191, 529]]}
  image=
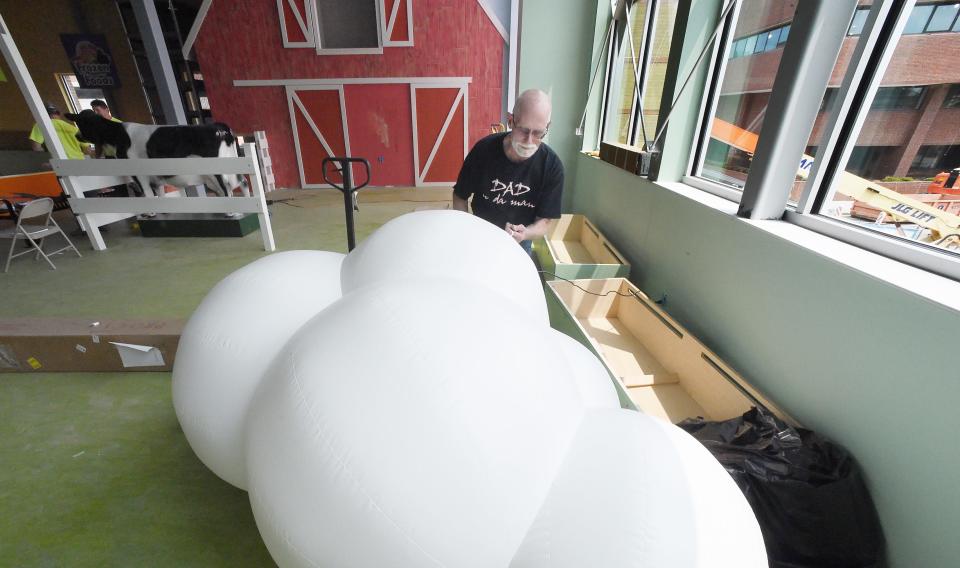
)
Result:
{"points": [[24, 187]]}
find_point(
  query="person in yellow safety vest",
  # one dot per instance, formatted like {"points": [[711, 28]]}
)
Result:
{"points": [[67, 132]]}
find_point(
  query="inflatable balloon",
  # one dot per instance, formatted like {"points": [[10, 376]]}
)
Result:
{"points": [[439, 448], [447, 244], [230, 340]]}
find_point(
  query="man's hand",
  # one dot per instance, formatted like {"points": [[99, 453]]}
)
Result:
{"points": [[518, 232], [459, 204]]}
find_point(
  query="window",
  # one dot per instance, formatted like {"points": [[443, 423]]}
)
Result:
{"points": [[335, 26], [884, 126], [826, 105], [859, 18], [943, 17], [952, 100], [924, 19], [632, 112], [784, 32], [348, 25], [874, 183], [931, 160], [918, 19], [77, 99], [761, 42], [741, 102], [898, 98]]}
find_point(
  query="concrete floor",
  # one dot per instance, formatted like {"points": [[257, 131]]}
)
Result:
{"points": [[94, 469]]}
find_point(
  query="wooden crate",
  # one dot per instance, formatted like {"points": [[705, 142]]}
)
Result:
{"points": [[657, 366], [575, 248]]}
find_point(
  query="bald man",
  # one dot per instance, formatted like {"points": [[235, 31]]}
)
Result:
{"points": [[514, 179]]}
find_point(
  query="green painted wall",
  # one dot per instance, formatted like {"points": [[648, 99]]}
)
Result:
{"points": [[556, 40], [863, 362]]}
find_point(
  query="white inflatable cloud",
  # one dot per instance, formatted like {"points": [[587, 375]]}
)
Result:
{"points": [[359, 460], [230, 340], [410, 406], [638, 491], [447, 244], [591, 377]]}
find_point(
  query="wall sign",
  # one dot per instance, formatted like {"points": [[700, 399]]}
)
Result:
{"points": [[91, 60]]}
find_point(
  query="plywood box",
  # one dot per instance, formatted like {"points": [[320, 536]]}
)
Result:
{"points": [[86, 345], [575, 248], [657, 366]]}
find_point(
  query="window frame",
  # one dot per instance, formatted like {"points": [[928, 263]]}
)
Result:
{"points": [[617, 48], [766, 196], [378, 17], [719, 59], [71, 94], [882, 33]]}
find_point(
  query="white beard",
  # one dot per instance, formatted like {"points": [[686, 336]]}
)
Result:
{"points": [[524, 150]]}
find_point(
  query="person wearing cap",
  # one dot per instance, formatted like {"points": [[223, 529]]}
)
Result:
{"points": [[67, 132]]}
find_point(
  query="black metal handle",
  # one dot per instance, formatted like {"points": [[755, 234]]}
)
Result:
{"points": [[346, 173]]}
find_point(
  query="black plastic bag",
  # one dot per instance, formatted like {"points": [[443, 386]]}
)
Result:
{"points": [[808, 493]]}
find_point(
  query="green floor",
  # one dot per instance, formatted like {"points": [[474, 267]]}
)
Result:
{"points": [[94, 469]]}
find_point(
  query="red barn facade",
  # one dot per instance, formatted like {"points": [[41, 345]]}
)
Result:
{"points": [[408, 84]]}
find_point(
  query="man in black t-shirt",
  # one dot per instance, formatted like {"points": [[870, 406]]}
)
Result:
{"points": [[515, 180]]}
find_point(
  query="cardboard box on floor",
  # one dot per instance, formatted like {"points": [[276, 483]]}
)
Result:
{"points": [[83, 344]]}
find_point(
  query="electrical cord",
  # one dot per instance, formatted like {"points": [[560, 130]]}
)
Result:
{"points": [[630, 295]]}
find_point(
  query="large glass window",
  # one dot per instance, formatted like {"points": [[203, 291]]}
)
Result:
{"points": [[639, 48], [744, 90], [895, 181]]}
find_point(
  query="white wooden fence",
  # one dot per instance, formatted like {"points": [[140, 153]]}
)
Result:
{"points": [[78, 176]]}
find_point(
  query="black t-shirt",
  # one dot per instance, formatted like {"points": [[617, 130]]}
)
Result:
{"points": [[509, 192]]}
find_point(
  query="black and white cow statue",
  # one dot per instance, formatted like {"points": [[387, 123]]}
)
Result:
{"points": [[133, 140]]}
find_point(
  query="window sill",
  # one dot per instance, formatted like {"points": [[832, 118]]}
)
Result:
{"points": [[932, 287]]}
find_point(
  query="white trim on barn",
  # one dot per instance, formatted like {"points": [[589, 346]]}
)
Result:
{"points": [[443, 131], [462, 95], [296, 138], [513, 58], [195, 28], [293, 98], [343, 122], [313, 125], [494, 20], [292, 85], [306, 22], [426, 81], [391, 24], [416, 149]]}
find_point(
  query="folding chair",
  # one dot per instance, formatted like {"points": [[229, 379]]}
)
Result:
{"points": [[35, 223]]}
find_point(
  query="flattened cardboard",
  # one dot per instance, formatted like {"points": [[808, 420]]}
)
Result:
{"points": [[84, 344]]}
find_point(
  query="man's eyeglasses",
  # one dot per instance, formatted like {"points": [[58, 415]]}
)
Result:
{"points": [[538, 134]]}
